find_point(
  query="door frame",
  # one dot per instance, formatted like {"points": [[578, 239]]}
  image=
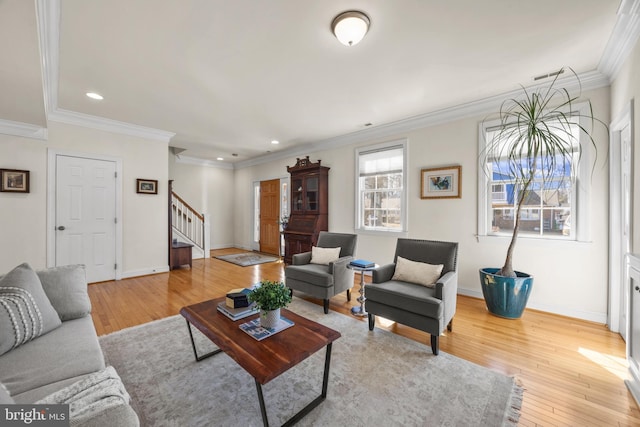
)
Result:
{"points": [[51, 202], [617, 275]]}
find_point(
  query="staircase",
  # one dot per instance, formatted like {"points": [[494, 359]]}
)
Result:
{"points": [[187, 228]]}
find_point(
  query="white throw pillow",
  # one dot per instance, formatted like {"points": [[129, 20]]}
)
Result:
{"points": [[420, 273], [324, 255]]}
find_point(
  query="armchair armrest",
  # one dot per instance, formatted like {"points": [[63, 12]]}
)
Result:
{"points": [[301, 258], [342, 276], [383, 273], [447, 292]]}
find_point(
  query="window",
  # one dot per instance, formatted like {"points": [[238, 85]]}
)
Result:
{"points": [[381, 187], [549, 205]]}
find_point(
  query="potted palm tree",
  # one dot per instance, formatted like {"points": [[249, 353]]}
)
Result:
{"points": [[533, 142], [270, 297]]}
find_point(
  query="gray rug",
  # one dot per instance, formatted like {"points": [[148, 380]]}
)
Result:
{"points": [[246, 258], [376, 378]]}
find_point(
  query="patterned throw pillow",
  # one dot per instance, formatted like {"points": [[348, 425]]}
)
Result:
{"points": [[25, 310], [420, 273]]}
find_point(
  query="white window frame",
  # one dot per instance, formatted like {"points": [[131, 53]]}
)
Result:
{"points": [[361, 228], [580, 192]]}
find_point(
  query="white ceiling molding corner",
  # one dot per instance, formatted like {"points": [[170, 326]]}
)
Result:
{"points": [[26, 130], [202, 162], [48, 17], [100, 123], [623, 38]]}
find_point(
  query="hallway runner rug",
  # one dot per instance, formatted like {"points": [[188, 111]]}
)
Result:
{"points": [[246, 259], [376, 378]]}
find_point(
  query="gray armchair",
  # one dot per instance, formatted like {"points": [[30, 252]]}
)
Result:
{"points": [[417, 306], [324, 281]]}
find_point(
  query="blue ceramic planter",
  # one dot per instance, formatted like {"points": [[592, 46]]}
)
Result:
{"points": [[505, 296]]}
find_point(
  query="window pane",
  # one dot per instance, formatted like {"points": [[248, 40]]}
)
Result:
{"points": [[380, 192]]}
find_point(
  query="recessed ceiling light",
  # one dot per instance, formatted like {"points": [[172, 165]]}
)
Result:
{"points": [[275, 142], [94, 95], [220, 158]]}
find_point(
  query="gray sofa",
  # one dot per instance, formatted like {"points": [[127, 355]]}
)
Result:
{"points": [[66, 352]]}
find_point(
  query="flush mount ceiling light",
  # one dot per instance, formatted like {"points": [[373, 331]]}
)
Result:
{"points": [[94, 95], [275, 142], [350, 27]]}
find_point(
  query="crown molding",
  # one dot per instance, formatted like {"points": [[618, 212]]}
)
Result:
{"points": [[26, 130], [48, 18], [100, 123], [187, 160], [623, 38], [587, 81]]}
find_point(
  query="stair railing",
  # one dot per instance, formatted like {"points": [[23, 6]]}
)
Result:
{"points": [[187, 221]]}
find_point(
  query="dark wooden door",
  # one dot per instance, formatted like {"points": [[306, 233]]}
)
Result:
{"points": [[270, 216]]}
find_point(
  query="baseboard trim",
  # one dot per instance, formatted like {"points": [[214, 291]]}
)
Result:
{"points": [[144, 272], [553, 309]]}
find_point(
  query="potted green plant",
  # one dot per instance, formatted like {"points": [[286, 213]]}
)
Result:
{"points": [[533, 142], [269, 298]]}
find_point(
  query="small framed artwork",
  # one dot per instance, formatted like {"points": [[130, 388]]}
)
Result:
{"points": [[14, 181], [146, 186], [441, 183]]}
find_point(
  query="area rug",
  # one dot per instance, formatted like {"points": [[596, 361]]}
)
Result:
{"points": [[376, 378], [246, 258]]}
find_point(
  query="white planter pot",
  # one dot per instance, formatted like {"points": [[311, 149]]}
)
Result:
{"points": [[269, 319]]}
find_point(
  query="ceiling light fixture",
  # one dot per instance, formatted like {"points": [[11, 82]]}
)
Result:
{"points": [[94, 95], [275, 142], [350, 27], [220, 158]]}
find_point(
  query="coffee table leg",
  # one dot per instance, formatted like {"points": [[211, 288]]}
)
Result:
{"points": [[304, 411], [193, 344]]}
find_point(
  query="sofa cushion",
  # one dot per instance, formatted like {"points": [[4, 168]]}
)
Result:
{"points": [[25, 310], [66, 288], [324, 256], [421, 273], [66, 352], [5, 397]]}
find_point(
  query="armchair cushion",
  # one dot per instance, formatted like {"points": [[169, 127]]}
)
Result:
{"points": [[314, 274], [324, 255], [411, 297], [420, 273]]}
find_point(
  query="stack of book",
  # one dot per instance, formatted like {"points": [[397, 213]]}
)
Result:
{"points": [[237, 313], [361, 263]]}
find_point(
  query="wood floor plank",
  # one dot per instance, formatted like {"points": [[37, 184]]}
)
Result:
{"points": [[572, 370]]}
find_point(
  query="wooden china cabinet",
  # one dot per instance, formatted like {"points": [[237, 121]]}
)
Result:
{"points": [[309, 207]]}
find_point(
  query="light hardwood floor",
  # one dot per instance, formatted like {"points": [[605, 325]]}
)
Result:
{"points": [[572, 370]]}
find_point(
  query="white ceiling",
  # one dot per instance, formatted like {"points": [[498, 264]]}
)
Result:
{"points": [[230, 76]]}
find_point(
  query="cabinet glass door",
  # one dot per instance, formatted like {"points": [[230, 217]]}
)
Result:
{"points": [[297, 195], [312, 193]]}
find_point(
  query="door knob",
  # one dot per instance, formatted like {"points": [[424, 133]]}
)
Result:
{"points": [[61, 227], [638, 288]]}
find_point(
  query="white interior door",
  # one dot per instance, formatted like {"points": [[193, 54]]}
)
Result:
{"points": [[85, 215]]}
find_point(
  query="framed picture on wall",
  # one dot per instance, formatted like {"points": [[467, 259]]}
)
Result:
{"points": [[147, 186], [441, 183], [14, 181]]}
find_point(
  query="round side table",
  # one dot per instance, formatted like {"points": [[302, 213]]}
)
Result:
{"points": [[359, 310]]}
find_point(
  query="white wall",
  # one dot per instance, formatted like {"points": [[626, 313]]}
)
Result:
{"points": [[626, 87], [23, 217], [208, 190], [570, 277]]}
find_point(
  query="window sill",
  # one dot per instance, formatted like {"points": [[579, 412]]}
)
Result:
{"points": [[542, 241], [391, 233]]}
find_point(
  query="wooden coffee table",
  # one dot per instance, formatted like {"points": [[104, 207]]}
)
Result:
{"points": [[263, 360]]}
